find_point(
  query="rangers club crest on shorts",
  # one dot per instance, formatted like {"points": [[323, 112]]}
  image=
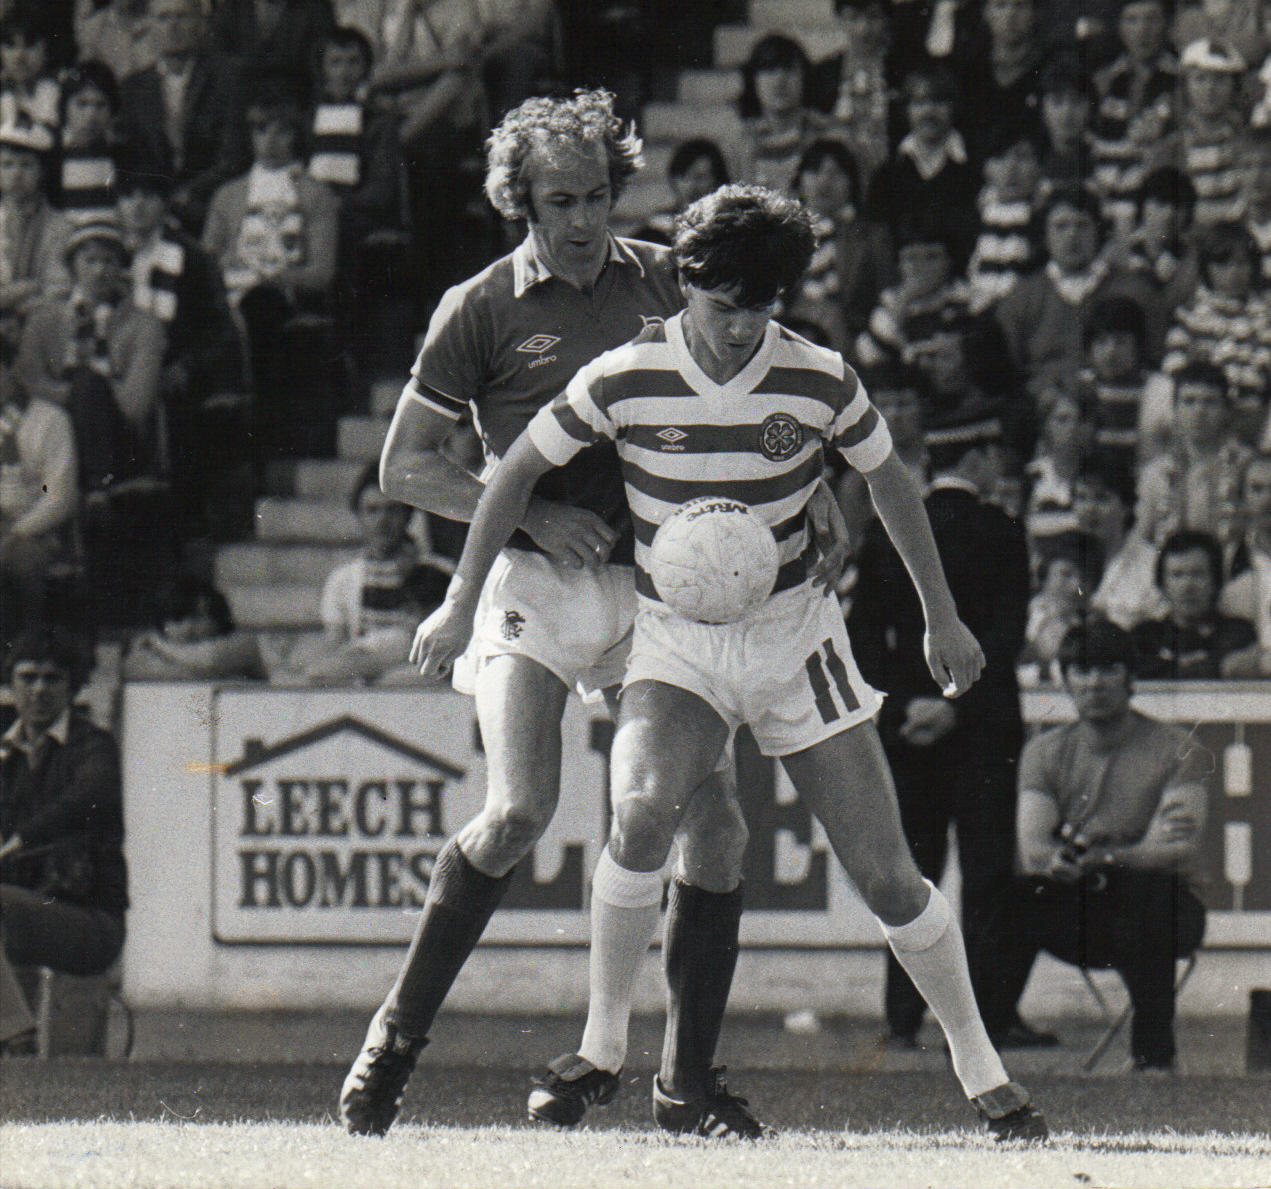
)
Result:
{"points": [[780, 437], [513, 622]]}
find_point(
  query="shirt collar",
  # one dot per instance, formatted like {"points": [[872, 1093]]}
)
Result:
{"points": [[529, 270], [929, 162], [59, 731]]}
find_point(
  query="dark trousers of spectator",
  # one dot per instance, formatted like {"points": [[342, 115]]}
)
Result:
{"points": [[108, 448], [1137, 923], [968, 781], [41, 931]]}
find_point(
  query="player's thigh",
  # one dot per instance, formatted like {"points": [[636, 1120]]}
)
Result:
{"points": [[667, 743], [711, 841], [519, 708], [844, 780]]}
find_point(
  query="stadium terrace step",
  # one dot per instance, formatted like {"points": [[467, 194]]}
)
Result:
{"points": [[680, 121], [640, 199], [384, 396], [708, 87], [733, 42], [778, 14], [262, 563], [361, 438], [269, 607], [313, 478], [318, 521]]}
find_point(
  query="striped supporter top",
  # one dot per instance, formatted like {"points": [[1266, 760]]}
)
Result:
{"points": [[759, 438]]}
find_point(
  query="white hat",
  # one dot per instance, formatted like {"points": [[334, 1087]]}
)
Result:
{"points": [[25, 133], [1205, 53]]}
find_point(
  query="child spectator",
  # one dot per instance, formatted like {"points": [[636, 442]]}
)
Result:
{"points": [[1069, 567], [777, 121], [1067, 109], [1228, 322], [28, 90], [89, 105], [1063, 446], [1161, 248], [1137, 106], [1193, 638], [1255, 168], [1007, 204], [853, 260], [696, 168], [118, 34], [1195, 484], [929, 175], [1247, 593]]}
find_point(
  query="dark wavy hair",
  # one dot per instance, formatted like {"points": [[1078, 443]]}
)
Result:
{"points": [[775, 51], [51, 644]]}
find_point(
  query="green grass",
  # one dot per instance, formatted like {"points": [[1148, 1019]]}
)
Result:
{"points": [[95, 1125]]}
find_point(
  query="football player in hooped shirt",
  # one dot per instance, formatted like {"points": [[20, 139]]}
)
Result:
{"points": [[724, 374], [558, 610]]}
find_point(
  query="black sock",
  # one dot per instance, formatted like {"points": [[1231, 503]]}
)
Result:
{"points": [[461, 901], [700, 956]]}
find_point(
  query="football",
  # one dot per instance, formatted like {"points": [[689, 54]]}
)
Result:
{"points": [[713, 560]]}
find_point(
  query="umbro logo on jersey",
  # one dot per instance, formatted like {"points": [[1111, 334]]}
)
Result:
{"points": [[671, 438], [536, 344]]}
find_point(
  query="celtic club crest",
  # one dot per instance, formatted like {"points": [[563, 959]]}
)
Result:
{"points": [[780, 437]]}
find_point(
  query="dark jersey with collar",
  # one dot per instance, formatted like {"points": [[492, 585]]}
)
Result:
{"points": [[506, 342]]}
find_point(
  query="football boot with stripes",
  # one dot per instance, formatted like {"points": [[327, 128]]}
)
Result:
{"points": [[372, 1092], [717, 1114], [571, 1085], [1009, 1114]]}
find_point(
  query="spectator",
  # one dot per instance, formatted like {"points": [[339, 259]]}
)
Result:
{"points": [[1045, 316], [63, 880], [28, 89], [1069, 568], [1161, 246], [1194, 484], [1237, 23], [696, 168], [194, 639], [119, 34], [186, 111], [777, 121], [272, 37], [1111, 813], [1193, 639], [1067, 109], [1063, 445], [372, 605], [1247, 594], [852, 262], [1255, 162], [274, 233], [1007, 205], [1206, 144], [90, 103], [33, 242], [930, 174], [39, 495], [1228, 323], [1137, 107], [953, 761]]}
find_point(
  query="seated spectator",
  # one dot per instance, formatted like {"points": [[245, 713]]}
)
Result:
{"points": [[1195, 483], [1247, 593], [63, 879], [274, 233], [1137, 108], [118, 34], [39, 496], [696, 168], [90, 103], [1069, 568], [1193, 639], [1007, 204], [1255, 164], [852, 263], [372, 605], [1161, 246], [194, 639], [1111, 814], [1063, 446], [1067, 109], [33, 243], [1206, 145], [1045, 316], [777, 121], [272, 37], [186, 111], [1228, 323], [930, 174], [28, 88]]}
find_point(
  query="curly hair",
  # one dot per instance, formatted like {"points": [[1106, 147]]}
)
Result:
{"points": [[559, 127], [746, 239]]}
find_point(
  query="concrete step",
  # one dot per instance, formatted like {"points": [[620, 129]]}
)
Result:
{"points": [[733, 42], [641, 198], [361, 438], [384, 394], [708, 87], [316, 521], [262, 563], [264, 608], [776, 14], [680, 121], [313, 478]]}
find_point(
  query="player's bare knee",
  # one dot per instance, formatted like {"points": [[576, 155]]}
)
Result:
{"points": [[503, 836], [643, 829]]}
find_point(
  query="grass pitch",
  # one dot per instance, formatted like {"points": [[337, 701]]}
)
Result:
{"points": [[95, 1125]]}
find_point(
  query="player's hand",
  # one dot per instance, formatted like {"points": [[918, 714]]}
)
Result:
{"points": [[573, 537], [829, 532], [441, 639], [954, 657]]}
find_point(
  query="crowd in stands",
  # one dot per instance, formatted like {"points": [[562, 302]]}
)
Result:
{"points": [[220, 220]]}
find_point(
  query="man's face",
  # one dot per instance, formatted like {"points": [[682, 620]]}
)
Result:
{"points": [[1209, 93], [343, 70], [779, 89], [570, 203], [1063, 582], [1015, 172], [901, 408], [273, 139], [924, 267], [1201, 412], [1142, 29], [1065, 114], [697, 181], [19, 174], [1098, 510], [865, 28], [1161, 223], [1071, 238], [22, 61], [1114, 354], [178, 25], [1100, 693], [1188, 584], [140, 212], [1009, 21], [1232, 277], [1256, 494], [1065, 427], [87, 116], [826, 189], [41, 693], [930, 117], [383, 522], [98, 270], [730, 333]]}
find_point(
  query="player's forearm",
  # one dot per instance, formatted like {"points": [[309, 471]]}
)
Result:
{"points": [[428, 480]]}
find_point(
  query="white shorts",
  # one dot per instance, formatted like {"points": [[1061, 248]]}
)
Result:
{"points": [[576, 623], [787, 671]]}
